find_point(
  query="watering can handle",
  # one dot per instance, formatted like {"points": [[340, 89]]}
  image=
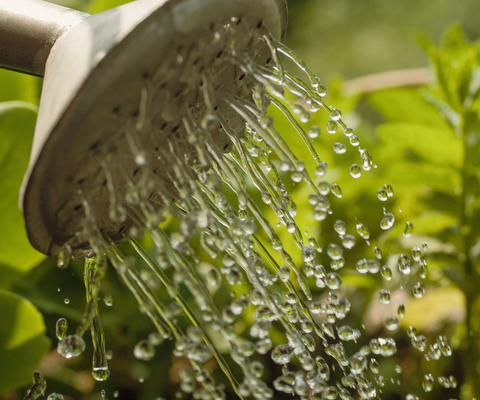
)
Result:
{"points": [[29, 29]]}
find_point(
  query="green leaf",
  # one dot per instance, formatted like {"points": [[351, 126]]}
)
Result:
{"points": [[17, 86], [406, 105], [407, 175], [435, 145], [23, 342], [103, 5], [17, 122]]}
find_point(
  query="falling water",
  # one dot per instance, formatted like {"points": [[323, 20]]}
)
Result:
{"points": [[188, 178]]}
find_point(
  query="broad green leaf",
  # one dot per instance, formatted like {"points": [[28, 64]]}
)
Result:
{"points": [[23, 342], [17, 122], [436, 306], [409, 174], [406, 105], [436, 145], [103, 5], [425, 224], [16, 86]]}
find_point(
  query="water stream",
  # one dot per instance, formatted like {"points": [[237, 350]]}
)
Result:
{"points": [[195, 186]]}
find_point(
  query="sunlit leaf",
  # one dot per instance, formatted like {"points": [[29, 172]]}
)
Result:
{"points": [[406, 105], [23, 342], [17, 121], [438, 146], [437, 306]]}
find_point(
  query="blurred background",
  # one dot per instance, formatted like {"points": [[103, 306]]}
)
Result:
{"points": [[350, 45]]}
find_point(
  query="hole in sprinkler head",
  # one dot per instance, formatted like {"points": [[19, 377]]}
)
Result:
{"points": [[163, 126], [136, 171], [178, 93], [155, 170], [146, 75], [241, 77], [215, 108], [116, 110], [239, 20], [80, 181], [136, 113], [94, 146], [259, 25], [121, 229], [77, 207], [175, 129], [196, 61], [225, 147], [219, 54], [157, 148], [268, 60], [163, 85], [105, 182]]}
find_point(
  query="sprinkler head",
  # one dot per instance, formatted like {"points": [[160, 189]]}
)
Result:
{"points": [[138, 67]]}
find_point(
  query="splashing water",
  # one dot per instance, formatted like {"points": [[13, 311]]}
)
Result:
{"points": [[188, 178]]}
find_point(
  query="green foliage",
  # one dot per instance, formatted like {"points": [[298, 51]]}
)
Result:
{"points": [[22, 340], [17, 122]]}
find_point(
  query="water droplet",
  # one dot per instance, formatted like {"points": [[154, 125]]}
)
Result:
{"points": [[282, 354], [384, 296], [392, 323], [403, 264], [108, 300], [71, 346], [382, 195], [340, 227], [388, 189], [333, 280], [427, 383], [336, 190], [339, 148], [321, 169], [144, 350], [444, 381], [66, 301], [424, 247], [335, 114], [141, 159], [444, 346], [263, 346], [363, 231], [314, 132], [55, 396], [331, 127], [355, 171], [386, 273], [61, 328], [214, 278], [354, 140], [407, 232], [387, 221], [418, 290], [416, 254], [401, 310], [377, 252], [334, 251], [308, 253], [348, 241], [324, 188], [64, 256], [296, 176]]}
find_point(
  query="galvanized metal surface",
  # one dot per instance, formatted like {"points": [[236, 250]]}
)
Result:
{"points": [[94, 70], [29, 29]]}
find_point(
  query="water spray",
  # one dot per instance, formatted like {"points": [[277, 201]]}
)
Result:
{"points": [[158, 108]]}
